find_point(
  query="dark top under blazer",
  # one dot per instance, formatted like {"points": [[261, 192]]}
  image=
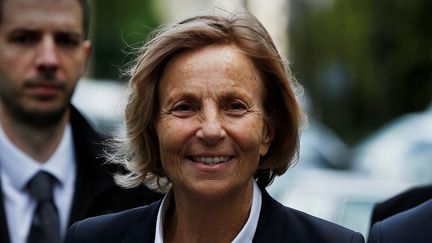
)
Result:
{"points": [[401, 202], [277, 223], [413, 225], [95, 191]]}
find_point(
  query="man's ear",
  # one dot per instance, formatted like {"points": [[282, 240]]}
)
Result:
{"points": [[267, 138], [86, 49]]}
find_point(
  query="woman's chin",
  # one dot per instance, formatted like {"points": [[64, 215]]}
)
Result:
{"points": [[213, 190]]}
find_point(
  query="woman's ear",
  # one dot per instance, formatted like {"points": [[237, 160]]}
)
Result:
{"points": [[267, 138]]}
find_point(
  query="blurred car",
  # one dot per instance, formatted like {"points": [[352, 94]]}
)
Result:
{"points": [[342, 197], [400, 151], [102, 102], [320, 147]]}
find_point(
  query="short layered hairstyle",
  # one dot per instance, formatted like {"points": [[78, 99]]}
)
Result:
{"points": [[139, 150]]}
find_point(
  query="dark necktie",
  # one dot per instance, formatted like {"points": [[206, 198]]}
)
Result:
{"points": [[45, 225]]}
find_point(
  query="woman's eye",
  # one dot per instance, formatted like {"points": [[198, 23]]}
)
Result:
{"points": [[183, 107], [236, 106]]}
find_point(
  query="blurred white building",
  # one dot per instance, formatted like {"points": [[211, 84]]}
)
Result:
{"points": [[274, 14]]}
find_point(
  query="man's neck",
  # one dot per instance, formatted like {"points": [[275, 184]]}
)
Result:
{"points": [[37, 142]]}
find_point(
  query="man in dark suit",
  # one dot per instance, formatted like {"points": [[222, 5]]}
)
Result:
{"points": [[401, 202], [43, 52], [412, 225]]}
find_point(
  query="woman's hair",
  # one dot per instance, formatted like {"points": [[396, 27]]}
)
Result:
{"points": [[139, 151]]}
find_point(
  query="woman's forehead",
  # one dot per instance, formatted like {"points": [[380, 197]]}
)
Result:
{"points": [[222, 60]]}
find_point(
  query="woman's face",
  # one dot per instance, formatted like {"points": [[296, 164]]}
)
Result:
{"points": [[211, 125]]}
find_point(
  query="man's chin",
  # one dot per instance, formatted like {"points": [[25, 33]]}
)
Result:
{"points": [[35, 112], [40, 118]]}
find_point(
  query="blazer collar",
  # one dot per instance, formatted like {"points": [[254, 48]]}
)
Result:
{"points": [[269, 229], [270, 223]]}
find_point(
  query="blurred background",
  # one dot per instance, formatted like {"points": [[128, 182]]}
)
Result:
{"points": [[366, 67]]}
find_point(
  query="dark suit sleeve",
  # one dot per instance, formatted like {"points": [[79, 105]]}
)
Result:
{"points": [[106, 228], [357, 238], [412, 225], [401, 202], [71, 238], [374, 235], [91, 232]]}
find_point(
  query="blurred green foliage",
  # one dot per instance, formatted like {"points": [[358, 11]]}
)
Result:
{"points": [[363, 63], [116, 26]]}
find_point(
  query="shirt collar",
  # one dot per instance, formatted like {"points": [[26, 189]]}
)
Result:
{"points": [[245, 235], [160, 217], [248, 231], [20, 168]]}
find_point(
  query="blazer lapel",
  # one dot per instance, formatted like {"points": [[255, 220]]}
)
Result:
{"points": [[269, 228]]}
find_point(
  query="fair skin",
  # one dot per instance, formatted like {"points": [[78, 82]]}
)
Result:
{"points": [[42, 55], [212, 133]]}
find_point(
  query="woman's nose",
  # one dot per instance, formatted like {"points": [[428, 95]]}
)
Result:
{"points": [[211, 130]]}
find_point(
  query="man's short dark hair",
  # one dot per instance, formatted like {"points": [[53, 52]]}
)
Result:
{"points": [[86, 15]]}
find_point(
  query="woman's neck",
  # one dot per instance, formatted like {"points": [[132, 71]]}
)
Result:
{"points": [[194, 220]]}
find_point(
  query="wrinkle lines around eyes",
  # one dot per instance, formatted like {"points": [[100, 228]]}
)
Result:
{"points": [[164, 112], [256, 111]]}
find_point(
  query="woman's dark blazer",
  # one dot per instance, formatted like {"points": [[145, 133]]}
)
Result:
{"points": [[413, 225], [277, 223]]}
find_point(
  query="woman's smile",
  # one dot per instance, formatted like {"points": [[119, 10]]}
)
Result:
{"points": [[211, 160]]}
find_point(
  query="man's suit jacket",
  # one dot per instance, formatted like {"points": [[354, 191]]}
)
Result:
{"points": [[401, 202], [277, 223], [95, 190], [413, 225]]}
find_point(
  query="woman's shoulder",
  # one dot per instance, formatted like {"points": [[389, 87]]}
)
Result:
{"points": [[113, 227], [292, 225]]}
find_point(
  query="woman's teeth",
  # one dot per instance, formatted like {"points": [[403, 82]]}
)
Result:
{"points": [[211, 160]]}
